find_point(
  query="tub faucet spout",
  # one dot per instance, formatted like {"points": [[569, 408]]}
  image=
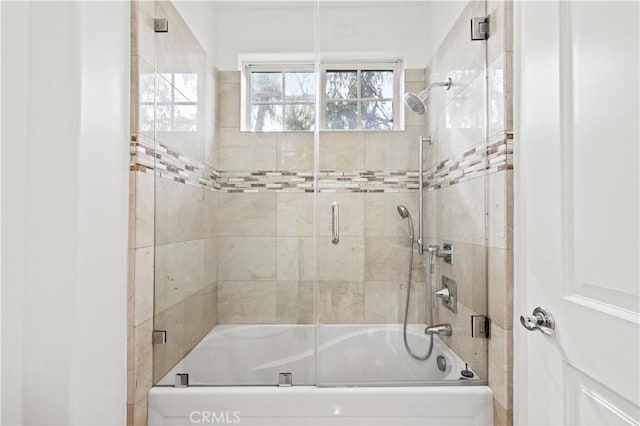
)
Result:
{"points": [[441, 329]]}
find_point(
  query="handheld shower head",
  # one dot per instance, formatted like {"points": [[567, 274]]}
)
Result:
{"points": [[404, 213]]}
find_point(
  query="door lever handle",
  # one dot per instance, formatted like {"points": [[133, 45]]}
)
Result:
{"points": [[540, 320]]}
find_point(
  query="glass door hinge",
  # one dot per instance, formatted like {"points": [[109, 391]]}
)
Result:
{"points": [[480, 326], [159, 337], [480, 28], [285, 379], [181, 381], [161, 25]]}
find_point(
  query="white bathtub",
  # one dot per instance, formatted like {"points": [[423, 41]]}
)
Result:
{"points": [[390, 387]]}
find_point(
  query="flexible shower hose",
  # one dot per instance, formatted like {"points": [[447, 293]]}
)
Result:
{"points": [[406, 308]]}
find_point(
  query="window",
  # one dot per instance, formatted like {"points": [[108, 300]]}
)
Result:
{"points": [[360, 97], [353, 97], [281, 99]]}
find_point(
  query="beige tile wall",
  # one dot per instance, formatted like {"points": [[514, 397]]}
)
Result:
{"points": [[268, 259], [173, 227], [500, 255], [457, 213], [141, 228], [186, 263], [268, 248]]}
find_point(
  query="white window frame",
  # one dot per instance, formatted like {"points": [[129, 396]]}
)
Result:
{"points": [[273, 67], [359, 66]]}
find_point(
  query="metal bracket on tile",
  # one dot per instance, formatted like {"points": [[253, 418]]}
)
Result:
{"points": [[480, 326], [285, 379], [159, 337], [182, 381], [161, 25], [479, 28], [447, 253]]}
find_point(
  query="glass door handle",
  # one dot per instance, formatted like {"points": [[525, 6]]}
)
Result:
{"points": [[335, 222]]}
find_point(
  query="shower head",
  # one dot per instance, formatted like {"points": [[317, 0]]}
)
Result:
{"points": [[403, 212], [417, 102]]}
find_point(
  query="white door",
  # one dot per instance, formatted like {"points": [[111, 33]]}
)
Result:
{"points": [[577, 211]]}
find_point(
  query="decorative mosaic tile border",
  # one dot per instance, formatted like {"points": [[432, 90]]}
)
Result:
{"points": [[263, 181], [177, 167], [473, 163], [368, 181], [328, 181], [172, 165]]}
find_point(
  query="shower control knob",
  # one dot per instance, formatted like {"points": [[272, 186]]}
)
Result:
{"points": [[444, 293], [540, 320]]}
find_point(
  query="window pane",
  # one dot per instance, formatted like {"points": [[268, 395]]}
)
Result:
{"points": [[377, 115], [164, 118], [266, 86], [377, 84], [299, 86], [342, 115], [147, 117], [187, 84], [342, 84], [164, 91], [147, 87], [185, 118], [266, 118], [163, 88], [299, 117]]}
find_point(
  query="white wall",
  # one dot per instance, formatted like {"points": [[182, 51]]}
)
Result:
{"points": [[200, 16], [255, 29], [441, 15], [0, 220], [65, 77], [384, 27], [411, 30], [397, 30], [14, 105]]}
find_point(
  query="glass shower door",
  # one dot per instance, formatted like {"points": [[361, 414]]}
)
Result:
{"points": [[282, 241], [368, 197], [234, 219]]}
